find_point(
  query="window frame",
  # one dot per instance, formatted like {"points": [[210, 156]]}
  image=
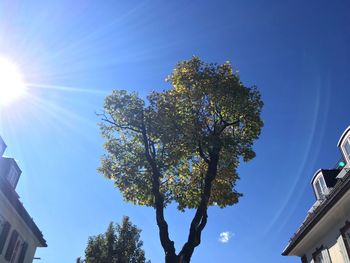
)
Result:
{"points": [[346, 229], [12, 176], [319, 180], [345, 150], [23, 252], [319, 252], [2, 146], [11, 245], [2, 222], [17, 249], [4, 233]]}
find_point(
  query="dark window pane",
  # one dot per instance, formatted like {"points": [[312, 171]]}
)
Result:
{"points": [[319, 190], [323, 185], [319, 258], [11, 245], [347, 148], [3, 236], [23, 252], [320, 187]]}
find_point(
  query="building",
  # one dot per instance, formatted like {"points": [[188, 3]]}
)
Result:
{"points": [[324, 236], [19, 235]]}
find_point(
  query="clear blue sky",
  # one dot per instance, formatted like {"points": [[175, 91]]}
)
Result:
{"points": [[297, 53]]}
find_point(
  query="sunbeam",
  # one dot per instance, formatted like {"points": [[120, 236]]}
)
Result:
{"points": [[66, 88], [62, 116]]}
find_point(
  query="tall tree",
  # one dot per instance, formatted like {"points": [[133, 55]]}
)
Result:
{"points": [[119, 244], [182, 145]]}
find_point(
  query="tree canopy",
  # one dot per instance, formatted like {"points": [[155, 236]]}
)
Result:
{"points": [[119, 244], [183, 144]]}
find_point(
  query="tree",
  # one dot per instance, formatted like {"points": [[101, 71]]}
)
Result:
{"points": [[119, 244], [95, 251], [182, 145], [128, 243]]}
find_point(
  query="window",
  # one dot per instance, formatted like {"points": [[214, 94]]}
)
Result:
{"points": [[4, 231], [11, 246], [16, 250], [2, 222], [345, 232], [317, 256], [320, 187], [2, 147], [321, 255], [23, 252], [12, 176], [346, 148]]}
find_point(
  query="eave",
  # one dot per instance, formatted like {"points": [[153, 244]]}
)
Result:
{"points": [[342, 186], [13, 199]]}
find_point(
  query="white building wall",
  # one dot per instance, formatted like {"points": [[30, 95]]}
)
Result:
{"points": [[10, 215], [333, 240]]}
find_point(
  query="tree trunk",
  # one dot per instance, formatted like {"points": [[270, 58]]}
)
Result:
{"points": [[178, 259], [171, 259], [200, 219]]}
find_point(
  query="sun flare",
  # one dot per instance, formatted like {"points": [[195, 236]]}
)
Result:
{"points": [[12, 86]]}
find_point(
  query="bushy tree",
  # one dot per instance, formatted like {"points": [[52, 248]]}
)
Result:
{"points": [[182, 145], [96, 249], [128, 244], [119, 244]]}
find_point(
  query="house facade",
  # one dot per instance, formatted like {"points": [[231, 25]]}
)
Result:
{"points": [[19, 235], [324, 236]]}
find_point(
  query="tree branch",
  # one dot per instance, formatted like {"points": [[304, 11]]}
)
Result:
{"points": [[201, 153], [113, 122], [227, 124], [167, 244], [200, 218]]}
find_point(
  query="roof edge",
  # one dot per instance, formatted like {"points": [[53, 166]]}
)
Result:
{"points": [[339, 190], [12, 197]]}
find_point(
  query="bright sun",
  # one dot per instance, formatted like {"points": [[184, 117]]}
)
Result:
{"points": [[12, 86]]}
